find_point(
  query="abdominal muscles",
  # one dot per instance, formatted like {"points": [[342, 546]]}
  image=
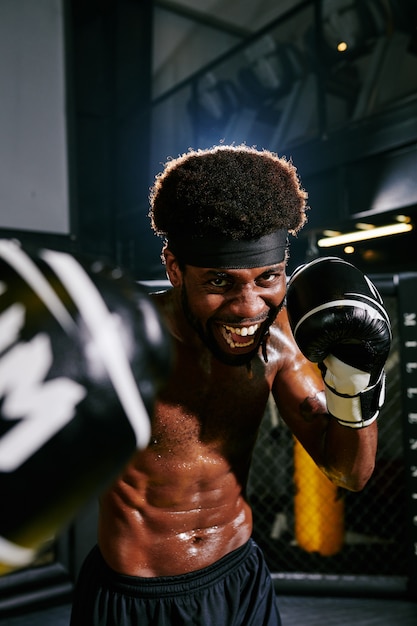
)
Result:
{"points": [[165, 516]]}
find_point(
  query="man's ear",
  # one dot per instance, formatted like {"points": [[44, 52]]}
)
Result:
{"points": [[172, 268]]}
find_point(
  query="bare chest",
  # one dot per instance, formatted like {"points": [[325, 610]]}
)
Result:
{"points": [[216, 406]]}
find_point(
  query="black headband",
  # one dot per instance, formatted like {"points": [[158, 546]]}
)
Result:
{"points": [[231, 253]]}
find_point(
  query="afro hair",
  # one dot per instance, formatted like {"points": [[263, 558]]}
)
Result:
{"points": [[227, 191]]}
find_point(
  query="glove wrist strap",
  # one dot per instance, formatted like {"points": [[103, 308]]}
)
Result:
{"points": [[357, 411]]}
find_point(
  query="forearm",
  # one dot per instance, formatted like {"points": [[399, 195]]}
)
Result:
{"points": [[339, 322], [349, 454]]}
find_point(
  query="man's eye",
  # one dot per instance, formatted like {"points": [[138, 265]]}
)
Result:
{"points": [[219, 282], [268, 278]]}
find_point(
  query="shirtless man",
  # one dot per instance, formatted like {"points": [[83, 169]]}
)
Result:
{"points": [[174, 538]]}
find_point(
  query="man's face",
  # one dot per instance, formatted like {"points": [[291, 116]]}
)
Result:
{"points": [[231, 310]]}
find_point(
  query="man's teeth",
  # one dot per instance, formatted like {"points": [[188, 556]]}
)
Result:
{"points": [[244, 331]]}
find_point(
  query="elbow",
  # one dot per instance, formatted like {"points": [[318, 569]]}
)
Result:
{"points": [[356, 484], [351, 480], [358, 479]]}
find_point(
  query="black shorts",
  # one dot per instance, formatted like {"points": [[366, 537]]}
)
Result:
{"points": [[237, 590]]}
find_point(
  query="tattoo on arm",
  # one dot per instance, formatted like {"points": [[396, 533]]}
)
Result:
{"points": [[311, 407]]}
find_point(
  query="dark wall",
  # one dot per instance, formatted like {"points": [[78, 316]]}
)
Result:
{"points": [[109, 51]]}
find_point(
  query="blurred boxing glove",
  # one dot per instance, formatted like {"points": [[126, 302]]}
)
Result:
{"points": [[338, 321], [82, 355]]}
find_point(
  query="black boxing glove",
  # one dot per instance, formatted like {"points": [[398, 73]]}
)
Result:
{"points": [[82, 355], [338, 321]]}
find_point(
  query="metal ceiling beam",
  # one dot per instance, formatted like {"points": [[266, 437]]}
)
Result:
{"points": [[203, 18]]}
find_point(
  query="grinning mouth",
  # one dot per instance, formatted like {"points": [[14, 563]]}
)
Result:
{"points": [[240, 336]]}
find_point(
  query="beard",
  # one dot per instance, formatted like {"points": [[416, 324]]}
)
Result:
{"points": [[207, 337]]}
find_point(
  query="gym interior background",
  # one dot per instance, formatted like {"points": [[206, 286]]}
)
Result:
{"points": [[96, 95]]}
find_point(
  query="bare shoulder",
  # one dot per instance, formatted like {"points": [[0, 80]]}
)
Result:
{"points": [[284, 350], [298, 384]]}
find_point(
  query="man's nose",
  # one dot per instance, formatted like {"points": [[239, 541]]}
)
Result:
{"points": [[246, 302]]}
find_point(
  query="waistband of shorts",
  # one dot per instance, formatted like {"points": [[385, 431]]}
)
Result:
{"points": [[183, 583]]}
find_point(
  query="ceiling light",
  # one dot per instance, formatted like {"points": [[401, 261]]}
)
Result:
{"points": [[361, 235], [403, 218], [331, 233], [364, 226]]}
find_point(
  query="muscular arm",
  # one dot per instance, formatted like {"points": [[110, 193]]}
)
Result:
{"points": [[345, 455]]}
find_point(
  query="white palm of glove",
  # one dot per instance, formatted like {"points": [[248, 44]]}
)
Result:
{"points": [[344, 386], [343, 378]]}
